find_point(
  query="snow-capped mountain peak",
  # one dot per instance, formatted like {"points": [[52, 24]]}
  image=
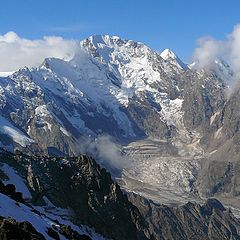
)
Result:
{"points": [[103, 82], [100, 41], [169, 56], [97, 40]]}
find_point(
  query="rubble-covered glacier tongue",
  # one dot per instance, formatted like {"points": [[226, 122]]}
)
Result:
{"points": [[163, 172]]}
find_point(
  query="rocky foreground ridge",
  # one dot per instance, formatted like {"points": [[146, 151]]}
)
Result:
{"points": [[80, 184]]}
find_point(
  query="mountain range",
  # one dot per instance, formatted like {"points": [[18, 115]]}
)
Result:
{"points": [[167, 131]]}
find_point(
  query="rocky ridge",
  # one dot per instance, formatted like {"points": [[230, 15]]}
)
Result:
{"points": [[81, 185]]}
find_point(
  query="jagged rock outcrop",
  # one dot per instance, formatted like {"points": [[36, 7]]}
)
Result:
{"points": [[81, 184], [204, 95], [10, 191], [190, 221], [11, 229]]}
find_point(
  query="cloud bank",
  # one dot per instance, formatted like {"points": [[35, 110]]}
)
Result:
{"points": [[17, 52], [228, 49], [106, 151]]}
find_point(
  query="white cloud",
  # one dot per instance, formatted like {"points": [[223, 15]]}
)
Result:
{"points": [[234, 53], [106, 151], [210, 49], [17, 52]]}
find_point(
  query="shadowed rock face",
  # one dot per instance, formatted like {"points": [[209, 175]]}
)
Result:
{"points": [[10, 191], [11, 229], [219, 175], [204, 95], [82, 185], [190, 221]]}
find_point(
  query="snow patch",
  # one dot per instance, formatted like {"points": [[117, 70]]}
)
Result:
{"points": [[64, 131], [5, 74], [42, 114], [20, 212], [15, 179], [17, 136], [64, 216], [218, 132], [213, 117]]}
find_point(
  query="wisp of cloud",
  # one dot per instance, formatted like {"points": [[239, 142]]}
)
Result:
{"points": [[106, 151], [210, 49], [17, 52]]}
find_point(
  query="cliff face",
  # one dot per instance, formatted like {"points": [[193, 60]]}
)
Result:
{"points": [[189, 221], [80, 184], [11, 229]]}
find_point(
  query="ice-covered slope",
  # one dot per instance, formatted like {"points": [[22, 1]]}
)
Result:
{"points": [[98, 91], [5, 74], [8, 130], [170, 56]]}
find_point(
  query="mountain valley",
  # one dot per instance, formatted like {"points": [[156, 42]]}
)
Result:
{"points": [[168, 133]]}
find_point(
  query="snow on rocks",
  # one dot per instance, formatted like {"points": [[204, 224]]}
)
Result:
{"points": [[15, 179], [6, 127]]}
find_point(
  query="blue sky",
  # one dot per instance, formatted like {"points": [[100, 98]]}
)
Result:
{"points": [[175, 24]]}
